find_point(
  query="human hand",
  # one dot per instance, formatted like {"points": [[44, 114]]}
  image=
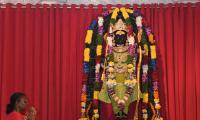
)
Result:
{"points": [[31, 114]]}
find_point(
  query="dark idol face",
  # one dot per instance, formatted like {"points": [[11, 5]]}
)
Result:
{"points": [[120, 38]]}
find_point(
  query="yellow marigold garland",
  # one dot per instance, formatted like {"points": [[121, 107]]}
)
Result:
{"points": [[146, 50], [130, 11], [86, 54], [88, 37], [114, 14], [145, 97], [124, 13], [153, 51], [99, 50], [151, 39], [95, 95]]}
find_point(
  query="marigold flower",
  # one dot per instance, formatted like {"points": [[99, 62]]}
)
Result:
{"points": [[114, 14], [86, 54], [153, 51], [145, 97], [151, 39], [129, 10], [130, 70], [124, 13], [110, 69], [96, 115], [111, 63], [95, 95], [156, 100], [83, 104], [157, 106], [130, 65], [82, 110], [95, 110], [98, 50], [83, 98], [146, 49], [88, 37], [155, 94]]}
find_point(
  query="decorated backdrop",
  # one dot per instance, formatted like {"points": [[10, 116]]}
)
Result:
{"points": [[120, 67], [41, 54]]}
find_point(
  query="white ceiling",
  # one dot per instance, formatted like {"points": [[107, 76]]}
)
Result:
{"points": [[97, 1]]}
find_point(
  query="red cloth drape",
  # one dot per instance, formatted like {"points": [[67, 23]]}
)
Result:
{"points": [[41, 54]]}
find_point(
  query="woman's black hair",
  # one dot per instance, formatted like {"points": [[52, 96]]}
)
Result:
{"points": [[13, 99]]}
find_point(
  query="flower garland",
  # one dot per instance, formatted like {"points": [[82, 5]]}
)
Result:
{"points": [[149, 71], [145, 94], [83, 102], [87, 53], [88, 41], [97, 68], [124, 14], [154, 76], [145, 71]]}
